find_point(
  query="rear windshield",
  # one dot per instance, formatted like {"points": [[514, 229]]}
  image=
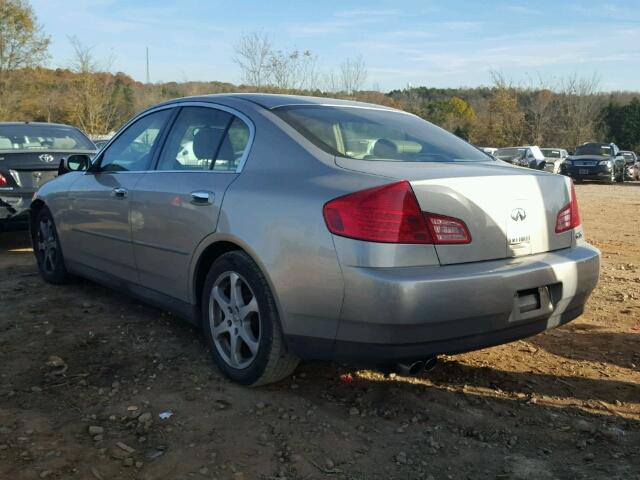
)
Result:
{"points": [[42, 137], [551, 153], [509, 152], [594, 149], [371, 134]]}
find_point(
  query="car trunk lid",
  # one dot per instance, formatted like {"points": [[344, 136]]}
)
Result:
{"points": [[509, 211], [30, 170]]}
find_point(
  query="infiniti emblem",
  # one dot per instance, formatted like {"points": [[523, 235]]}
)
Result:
{"points": [[46, 157], [518, 214]]}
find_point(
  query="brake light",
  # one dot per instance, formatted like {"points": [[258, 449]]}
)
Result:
{"points": [[447, 230], [569, 217], [3, 181], [390, 214]]}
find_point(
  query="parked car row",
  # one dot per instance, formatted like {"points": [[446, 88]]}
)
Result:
{"points": [[590, 161]]}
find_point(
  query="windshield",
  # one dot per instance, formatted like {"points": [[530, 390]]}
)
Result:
{"points": [[371, 134], [594, 149], [551, 153], [509, 152], [42, 137], [629, 156]]}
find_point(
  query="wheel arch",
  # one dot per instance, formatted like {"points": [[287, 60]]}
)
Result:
{"points": [[209, 251], [36, 206]]}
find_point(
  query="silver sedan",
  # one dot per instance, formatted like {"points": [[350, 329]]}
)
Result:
{"points": [[309, 228]]}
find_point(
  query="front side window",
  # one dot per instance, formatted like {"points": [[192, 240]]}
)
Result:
{"points": [[204, 138], [42, 137], [131, 151], [372, 134]]}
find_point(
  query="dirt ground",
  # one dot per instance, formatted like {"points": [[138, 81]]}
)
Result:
{"points": [[85, 373]]}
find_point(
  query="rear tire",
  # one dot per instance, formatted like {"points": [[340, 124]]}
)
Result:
{"points": [[241, 323], [46, 247]]}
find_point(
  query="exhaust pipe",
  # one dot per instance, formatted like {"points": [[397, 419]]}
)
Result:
{"points": [[416, 368], [430, 364], [410, 369]]}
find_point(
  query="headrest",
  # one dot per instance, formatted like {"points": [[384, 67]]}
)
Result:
{"points": [[384, 148], [5, 143], [63, 143], [206, 141]]}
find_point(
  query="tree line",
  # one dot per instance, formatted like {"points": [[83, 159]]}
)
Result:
{"points": [[560, 114]]}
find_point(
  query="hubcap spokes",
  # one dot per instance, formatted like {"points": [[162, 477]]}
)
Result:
{"points": [[234, 320], [47, 246]]}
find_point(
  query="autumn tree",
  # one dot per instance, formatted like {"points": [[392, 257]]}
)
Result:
{"points": [[94, 109], [502, 125], [579, 106], [22, 43]]}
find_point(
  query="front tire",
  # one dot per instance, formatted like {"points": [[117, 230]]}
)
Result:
{"points": [[241, 323], [46, 247]]}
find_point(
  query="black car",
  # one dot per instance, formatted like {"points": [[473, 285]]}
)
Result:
{"points": [[595, 161], [30, 154]]}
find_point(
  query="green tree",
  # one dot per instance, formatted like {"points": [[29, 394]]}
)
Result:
{"points": [[622, 124]]}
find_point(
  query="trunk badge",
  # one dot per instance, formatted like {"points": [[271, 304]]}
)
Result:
{"points": [[518, 214], [46, 157]]}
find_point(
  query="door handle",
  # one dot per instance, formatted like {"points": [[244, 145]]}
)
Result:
{"points": [[119, 192], [201, 197]]}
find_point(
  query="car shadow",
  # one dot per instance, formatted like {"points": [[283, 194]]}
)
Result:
{"points": [[15, 241], [584, 342]]}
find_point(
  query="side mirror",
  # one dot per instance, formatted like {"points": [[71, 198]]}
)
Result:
{"points": [[74, 163]]}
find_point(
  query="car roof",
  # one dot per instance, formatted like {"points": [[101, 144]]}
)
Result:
{"points": [[271, 100], [39, 124]]}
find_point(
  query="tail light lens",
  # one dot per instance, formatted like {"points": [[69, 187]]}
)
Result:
{"points": [[447, 230], [3, 181], [569, 217], [390, 214]]}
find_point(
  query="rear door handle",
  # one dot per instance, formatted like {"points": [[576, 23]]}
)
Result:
{"points": [[201, 197], [119, 192]]}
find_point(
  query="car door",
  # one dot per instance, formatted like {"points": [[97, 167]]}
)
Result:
{"points": [[99, 230], [177, 205]]}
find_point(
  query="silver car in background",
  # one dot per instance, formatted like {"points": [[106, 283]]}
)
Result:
{"points": [[554, 158], [310, 228]]}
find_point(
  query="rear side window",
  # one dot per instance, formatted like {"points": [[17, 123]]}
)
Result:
{"points": [[204, 139], [372, 134]]}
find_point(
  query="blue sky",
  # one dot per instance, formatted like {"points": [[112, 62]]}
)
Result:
{"points": [[440, 44]]}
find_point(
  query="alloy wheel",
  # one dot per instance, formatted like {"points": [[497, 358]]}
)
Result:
{"points": [[234, 320], [47, 245]]}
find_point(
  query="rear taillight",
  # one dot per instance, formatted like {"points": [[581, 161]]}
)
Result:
{"points": [[569, 217], [447, 230], [390, 214], [3, 181]]}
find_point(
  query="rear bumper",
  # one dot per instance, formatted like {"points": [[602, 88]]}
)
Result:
{"points": [[394, 314], [14, 205]]}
